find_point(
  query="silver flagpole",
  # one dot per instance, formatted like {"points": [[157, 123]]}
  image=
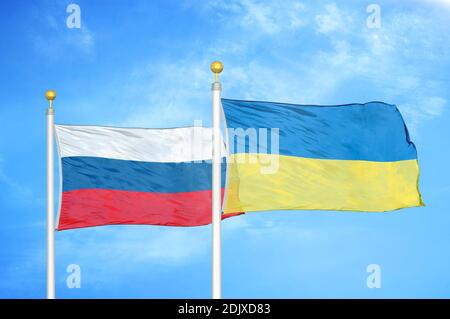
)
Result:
{"points": [[50, 95], [216, 68]]}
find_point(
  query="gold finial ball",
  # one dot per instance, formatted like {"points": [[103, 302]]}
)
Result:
{"points": [[216, 67], [50, 95]]}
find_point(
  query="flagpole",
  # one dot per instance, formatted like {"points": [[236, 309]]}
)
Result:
{"points": [[216, 68], [50, 95]]}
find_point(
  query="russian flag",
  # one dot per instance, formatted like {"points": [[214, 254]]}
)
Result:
{"points": [[113, 176]]}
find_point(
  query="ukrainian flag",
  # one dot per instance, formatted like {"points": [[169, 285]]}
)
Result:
{"points": [[354, 157]]}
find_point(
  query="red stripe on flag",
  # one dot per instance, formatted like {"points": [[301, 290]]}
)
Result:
{"points": [[97, 207]]}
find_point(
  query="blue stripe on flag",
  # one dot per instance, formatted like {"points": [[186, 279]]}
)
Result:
{"points": [[81, 172], [373, 131]]}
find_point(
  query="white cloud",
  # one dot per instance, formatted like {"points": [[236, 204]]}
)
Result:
{"points": [[267, 17], [434, 105], [390, 59], [333, 20], [423, 108], [55, 38], [17, 191], [272, 17], [175, 94], [444, 3], [59, 40]]}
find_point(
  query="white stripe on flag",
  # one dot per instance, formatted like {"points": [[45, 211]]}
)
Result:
{"points": [[183, 144]]}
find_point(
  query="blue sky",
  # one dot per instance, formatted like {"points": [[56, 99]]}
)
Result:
{"points": [[146, 63]]}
